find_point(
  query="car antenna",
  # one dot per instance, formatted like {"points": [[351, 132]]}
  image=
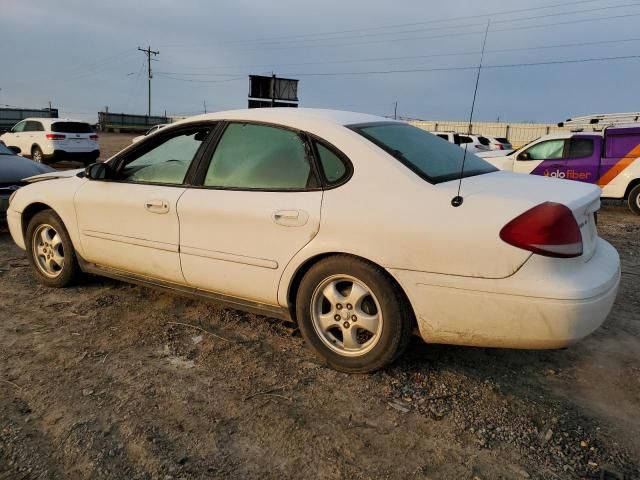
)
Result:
{"points": [[457, 200]]}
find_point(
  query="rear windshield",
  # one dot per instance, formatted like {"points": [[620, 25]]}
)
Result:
{"points": [[71, 127], [422, 152]]}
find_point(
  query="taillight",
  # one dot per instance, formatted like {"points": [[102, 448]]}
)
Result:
{"points": [[94, 137], [500, 146], [549, 229], [55, 136]]}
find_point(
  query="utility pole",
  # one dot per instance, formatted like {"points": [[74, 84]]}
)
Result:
{"points": [[395, 111], [204, 103], [148, 52]]}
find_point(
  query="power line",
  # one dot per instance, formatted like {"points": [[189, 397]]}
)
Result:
{"points": [[535, 17], [427, 22], [406, 57], [461, 34]]}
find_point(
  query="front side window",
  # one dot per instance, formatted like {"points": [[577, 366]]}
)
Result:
{"points": [[19, 127], [548, 150], [423, 152], [166, 162], [252, 156]]}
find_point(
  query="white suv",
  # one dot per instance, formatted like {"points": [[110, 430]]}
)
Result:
{"points": [[47, 140], [471, 143]]}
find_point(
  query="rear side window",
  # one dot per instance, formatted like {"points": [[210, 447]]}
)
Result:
{"points": [[259, 157], [502, 140], [464, 139], [445, 137], [484, 140], [333, 167], [71, 127], [580, 148], [422, 152]]}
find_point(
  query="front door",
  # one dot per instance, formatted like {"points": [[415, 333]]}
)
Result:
{"points": [[130, 222], [543, 158], [257, 205]]}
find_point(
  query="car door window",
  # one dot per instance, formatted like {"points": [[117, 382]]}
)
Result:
{"points": [[464, 139], [18, 127], [580, 147], [166, 162], [548, 150], [333, 166], [262, 157]]}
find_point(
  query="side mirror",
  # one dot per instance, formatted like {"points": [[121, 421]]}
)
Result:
{"points": [[524, 156], [15, 149], [99, 171]]}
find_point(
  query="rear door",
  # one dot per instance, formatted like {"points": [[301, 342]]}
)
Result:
{"points": [[257, 204], [583, 158]]}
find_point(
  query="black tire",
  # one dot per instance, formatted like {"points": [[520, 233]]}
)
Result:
{"points": [[37, 155], [397, 320], [634, 199], [70, 272]]}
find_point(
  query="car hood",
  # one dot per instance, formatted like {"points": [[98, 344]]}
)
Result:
{"points": [[54, 174], [14, 168]]}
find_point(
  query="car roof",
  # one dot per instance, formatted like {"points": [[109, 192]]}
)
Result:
{"points": [[49, 120], [302, 118]]}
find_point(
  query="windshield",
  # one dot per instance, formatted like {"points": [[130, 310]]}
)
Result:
{"points": [[433, 158], [5, 151]]}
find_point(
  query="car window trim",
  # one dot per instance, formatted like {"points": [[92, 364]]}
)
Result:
{"points": [[117, 162], [203, 167]]}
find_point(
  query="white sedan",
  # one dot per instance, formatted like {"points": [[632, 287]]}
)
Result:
{"points": [[341, 221]]}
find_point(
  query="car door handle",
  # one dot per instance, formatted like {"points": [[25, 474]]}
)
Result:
{"points": [[157, 206], [290, 218]]}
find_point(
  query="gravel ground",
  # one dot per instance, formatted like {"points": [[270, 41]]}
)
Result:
{"points": [[110, 380]]}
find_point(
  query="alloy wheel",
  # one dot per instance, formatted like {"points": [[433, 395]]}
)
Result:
{"points": [[48, 251], [346, 315]]}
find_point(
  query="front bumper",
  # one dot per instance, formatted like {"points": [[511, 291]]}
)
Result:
{"points": [[14, 222], [546, 304]]}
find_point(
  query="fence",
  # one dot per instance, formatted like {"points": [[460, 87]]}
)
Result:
{"points": [[10, 116], [518, 133], [124, 122]]}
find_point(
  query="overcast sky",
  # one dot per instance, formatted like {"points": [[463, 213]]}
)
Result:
{"points": [[82, 55]]}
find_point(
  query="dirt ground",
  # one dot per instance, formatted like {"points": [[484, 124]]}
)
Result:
{"points": [[110, 380]]}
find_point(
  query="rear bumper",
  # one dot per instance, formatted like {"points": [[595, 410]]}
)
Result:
{"points": [[85, 157], [530, 309]]}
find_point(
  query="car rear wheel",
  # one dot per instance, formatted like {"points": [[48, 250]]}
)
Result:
{"points": [[352, 315], [50, 251], [37, 155], [634, 199]]}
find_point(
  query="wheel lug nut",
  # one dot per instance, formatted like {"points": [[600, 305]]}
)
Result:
{"points": [[354, 318], [345, 324], [337, 318], [339, 306], [349, 306]]}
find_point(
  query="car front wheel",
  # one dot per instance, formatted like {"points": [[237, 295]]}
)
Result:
{"points": [[50, 251], [352, 315]]}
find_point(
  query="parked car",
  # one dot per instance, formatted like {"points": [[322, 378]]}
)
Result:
{"points": [[48, 140], [609, 159], [499, 143], [153, 129], [473, 143], [13, 169], [343, 222]]}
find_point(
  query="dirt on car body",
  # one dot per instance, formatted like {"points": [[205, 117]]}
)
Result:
{"points": [[110, 380]]}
